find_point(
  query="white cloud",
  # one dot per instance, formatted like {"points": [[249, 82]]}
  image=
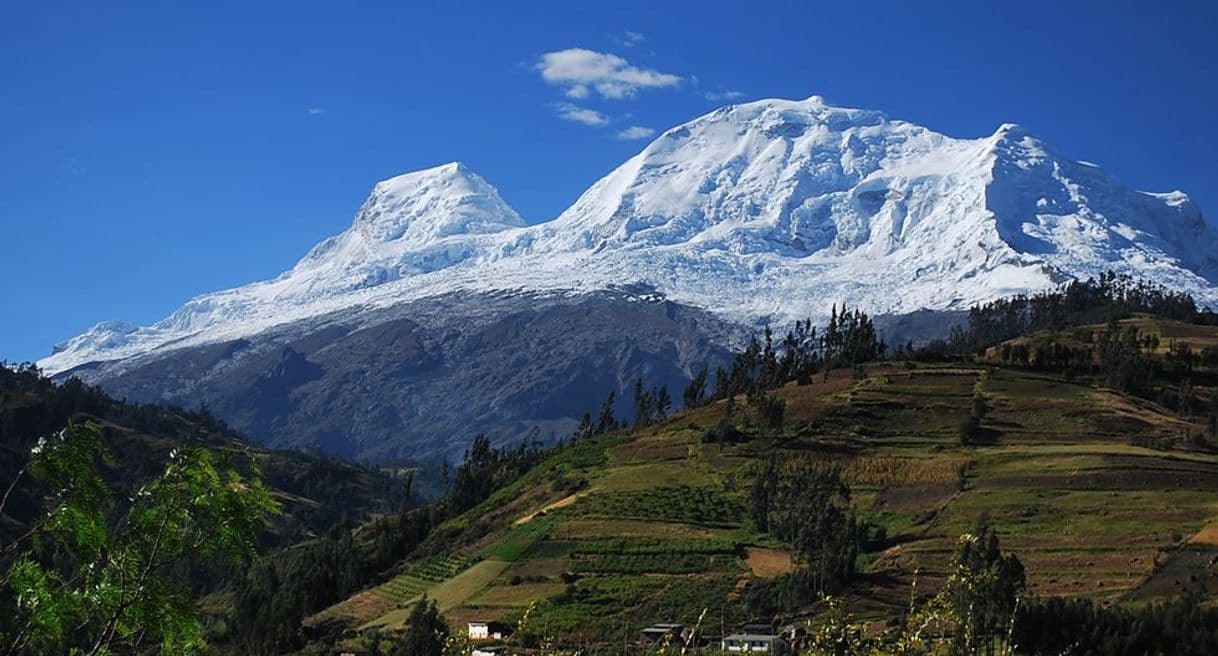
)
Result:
{"points": [[635, 132], [569, 112], [631, 39], [716, 96], [580, 71], [315, 111]]}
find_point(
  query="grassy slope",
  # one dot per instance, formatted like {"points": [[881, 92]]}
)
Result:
{"points": [[660, 533]]}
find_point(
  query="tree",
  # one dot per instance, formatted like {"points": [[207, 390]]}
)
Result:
{"points": [[585, 429], [1185, 392], [983, 590], [644, 404], [89, 584], [724, 431], [605, 421], [426, 632], [807, 506], [765, 488], [970, 427], [695, 393], [769, 410], [960, 605]]}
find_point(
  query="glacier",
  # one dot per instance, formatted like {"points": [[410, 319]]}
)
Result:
{"points": [[765, 211]]}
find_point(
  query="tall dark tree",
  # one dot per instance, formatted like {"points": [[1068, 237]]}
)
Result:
{"points": [[695, 393], [605, 421], [426, 632], [983, 606]]}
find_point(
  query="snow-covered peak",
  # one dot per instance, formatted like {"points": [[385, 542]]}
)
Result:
{"points": [[767, 210], [762, 176], [410, 223], [424, 206]]}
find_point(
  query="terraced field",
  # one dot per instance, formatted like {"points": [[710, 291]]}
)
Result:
{"points": [[412, 583], [658, 530]]}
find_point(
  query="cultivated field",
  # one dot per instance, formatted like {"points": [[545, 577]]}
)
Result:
{"points": [[659, 529]]}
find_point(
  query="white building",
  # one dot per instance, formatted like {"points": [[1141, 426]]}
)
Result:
{"points": [[487, 631], [755, 643]]}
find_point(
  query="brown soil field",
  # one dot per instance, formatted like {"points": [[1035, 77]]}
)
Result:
{"points": [[769, 563], [915, 498]]}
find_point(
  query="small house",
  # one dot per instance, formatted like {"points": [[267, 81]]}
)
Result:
{"points": [[658, 634], [488, 631], [754, 643]]}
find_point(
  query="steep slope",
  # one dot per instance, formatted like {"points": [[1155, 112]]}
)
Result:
{"points": [[652, 525], [420, 379]]}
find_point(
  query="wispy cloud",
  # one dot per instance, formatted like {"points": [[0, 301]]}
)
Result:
{"points": [[570, 112], [315, 111], [630, 39], [635, 132], [717, 96], [580, 72]]}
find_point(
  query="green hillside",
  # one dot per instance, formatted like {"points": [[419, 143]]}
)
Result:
{"points": [[1100, 493]]}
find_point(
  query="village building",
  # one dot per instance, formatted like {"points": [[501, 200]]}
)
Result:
{"points": [[754, 643], [488, 630], [659, 634]]}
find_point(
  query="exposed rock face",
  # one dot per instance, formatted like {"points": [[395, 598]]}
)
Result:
{"points": [[420, 380]]}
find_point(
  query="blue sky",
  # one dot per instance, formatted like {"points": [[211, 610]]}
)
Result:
{"points": [[151, 151]]}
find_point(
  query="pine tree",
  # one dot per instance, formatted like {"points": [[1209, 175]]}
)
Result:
{"points": [[696, 391], [605, 422]]}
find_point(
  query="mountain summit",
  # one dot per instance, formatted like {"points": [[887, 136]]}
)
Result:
{"points": [[768, 210]]}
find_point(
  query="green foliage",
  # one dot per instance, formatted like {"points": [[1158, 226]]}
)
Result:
{"points": [[318, 492], [642, 545], [95, 578], [652, 555], [651, 405], [276, 595], [1108, 298], [970, 616], [698, 505], [695, 393], [808, 507], [486, 469], [1080, 626], [724, 431], [768, 410], [653, 564], [849, 340], [983, 591], [426, 632]]}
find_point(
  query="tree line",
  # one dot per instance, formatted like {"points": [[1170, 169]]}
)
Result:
{"points": [[1093, 301]]}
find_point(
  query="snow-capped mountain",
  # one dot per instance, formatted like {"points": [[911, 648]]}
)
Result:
{"points": [[769, 210]]}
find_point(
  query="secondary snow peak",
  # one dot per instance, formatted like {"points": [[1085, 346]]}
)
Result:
{"points": [[428, 205]]}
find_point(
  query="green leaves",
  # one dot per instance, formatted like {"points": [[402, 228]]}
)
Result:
{"points": [[95, 577]]}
